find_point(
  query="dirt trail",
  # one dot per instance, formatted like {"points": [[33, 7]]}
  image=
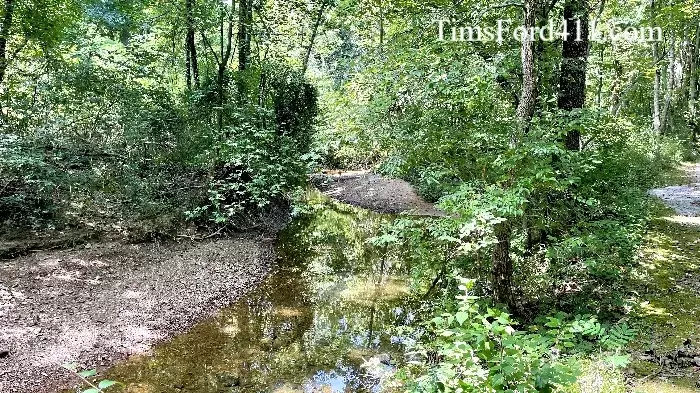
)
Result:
{"points": [[99, 304], [667, 288], [684, 199], [375, 192]]}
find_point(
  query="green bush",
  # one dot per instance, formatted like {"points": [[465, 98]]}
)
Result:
{"points": [[27, 184], [263, 151], [478, 349]]}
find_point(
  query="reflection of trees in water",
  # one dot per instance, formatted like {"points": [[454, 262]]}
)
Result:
{"points": [[334, 235], [299, 322], [273, 322]]}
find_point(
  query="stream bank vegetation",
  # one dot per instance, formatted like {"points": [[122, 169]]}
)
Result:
{"points": [[144, 120]]}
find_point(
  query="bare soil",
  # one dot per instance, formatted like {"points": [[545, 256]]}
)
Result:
{"points": [[97, 304], [375, 192]]}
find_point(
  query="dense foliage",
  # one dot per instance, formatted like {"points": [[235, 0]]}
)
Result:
{"points": [[98, 131]]}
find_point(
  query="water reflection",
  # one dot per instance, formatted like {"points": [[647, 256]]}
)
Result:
{"points": [[326, 311]]}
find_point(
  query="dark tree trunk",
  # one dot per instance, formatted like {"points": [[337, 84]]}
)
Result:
{"points": [[693, 115], [188, 67], [245, 16], [191, 50], [572, 76], [4, 37], [502, 267]]}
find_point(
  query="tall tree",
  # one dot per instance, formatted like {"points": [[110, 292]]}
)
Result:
{"points": [[502, 262], [4, 36], [693, 115], [314, 32], [656, 57], [225, 53], [670, 84], [245, 19], [190, 47], [574, 63]]}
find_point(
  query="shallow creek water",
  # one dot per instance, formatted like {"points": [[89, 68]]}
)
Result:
{"points": [[329, 308]]}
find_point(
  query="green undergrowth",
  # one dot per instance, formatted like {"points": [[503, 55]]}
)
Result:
{"points": [[665, 308], [666, 302], [668, 285]]}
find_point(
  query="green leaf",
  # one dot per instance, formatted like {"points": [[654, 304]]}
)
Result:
{"points": [[461, 317], [91, 390], [88, 373], [618, 361], [104, 384]]}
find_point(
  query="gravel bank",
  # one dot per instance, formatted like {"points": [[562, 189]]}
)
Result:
{"points": [[375, 192], [98, 304]]}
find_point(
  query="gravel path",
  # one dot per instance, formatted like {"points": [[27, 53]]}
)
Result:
{"points": [[99, 304], [375, 192], [684, 199]]}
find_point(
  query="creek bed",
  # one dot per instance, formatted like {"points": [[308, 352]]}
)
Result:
{"points": [[322, 322]]}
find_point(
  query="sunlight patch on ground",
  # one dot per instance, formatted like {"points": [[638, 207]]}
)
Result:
{"points": [[140, 388], [650, 309], [288, 312], [668, 303], [684, 220], [663, 387], [231, 327]]}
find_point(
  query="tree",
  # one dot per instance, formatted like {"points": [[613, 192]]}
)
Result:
{"points": [[8, 12], [693, 115], [245, 19], [502, 262], [314, 31], [574, 64], [191, 61]]}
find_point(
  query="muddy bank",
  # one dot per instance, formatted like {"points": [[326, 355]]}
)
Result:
{"points": [[98, 304], [375, 192]]}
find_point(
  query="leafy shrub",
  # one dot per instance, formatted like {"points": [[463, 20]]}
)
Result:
{"points": [[262, 153], [478, 349], [27, 184]]}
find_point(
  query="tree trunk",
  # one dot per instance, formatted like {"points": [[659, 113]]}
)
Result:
{"points": [[572, 76], [245, 14], [381, 26], [188, 67], [526, 105], [693, 121], [670, 85], [314, 32], [599, 89], [656, 115], [4, 37], [501, 261], [190, 43], [657, 89], [502, 267]]}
